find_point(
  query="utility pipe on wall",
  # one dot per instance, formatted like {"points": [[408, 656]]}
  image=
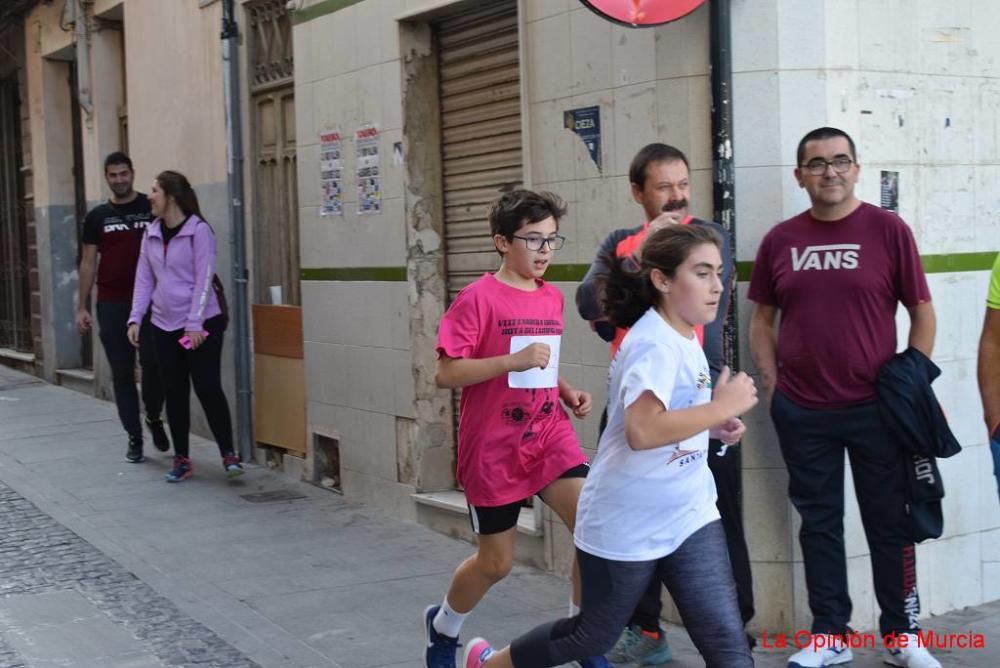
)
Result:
{"points": [[723, 173], [81, 33], [723, 168], [234, 149]]}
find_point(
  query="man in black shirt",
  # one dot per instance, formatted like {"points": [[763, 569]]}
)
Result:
{"points": [[113, 231]]}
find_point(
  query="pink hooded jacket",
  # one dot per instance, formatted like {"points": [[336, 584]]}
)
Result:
{"points": [[176, 277]]}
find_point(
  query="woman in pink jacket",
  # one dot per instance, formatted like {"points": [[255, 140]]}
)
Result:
{"points": [[175, 272]]}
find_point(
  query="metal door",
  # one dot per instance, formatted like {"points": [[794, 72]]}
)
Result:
{"points": [[15, 291]]}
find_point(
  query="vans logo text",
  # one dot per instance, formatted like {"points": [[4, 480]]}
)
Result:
{"points": [[832, 256]]}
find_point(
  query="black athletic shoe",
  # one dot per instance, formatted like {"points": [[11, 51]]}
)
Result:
{"points": [[160, 440], [134, 454]]}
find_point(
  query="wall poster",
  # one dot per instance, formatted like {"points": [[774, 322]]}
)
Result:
{"points": [[366, 141], [330, 175]]}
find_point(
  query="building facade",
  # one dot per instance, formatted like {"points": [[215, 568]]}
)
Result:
{"points": [[466, 97], [103, 76], [20, 321], [376, 131]]}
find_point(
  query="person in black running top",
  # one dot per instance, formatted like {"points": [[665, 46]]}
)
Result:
{"points": [[112, 234]]}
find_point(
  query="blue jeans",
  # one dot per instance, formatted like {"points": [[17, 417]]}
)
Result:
{"points": [[995, 449]]}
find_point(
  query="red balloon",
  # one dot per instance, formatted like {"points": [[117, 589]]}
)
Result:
{"points": [[641, 13]]}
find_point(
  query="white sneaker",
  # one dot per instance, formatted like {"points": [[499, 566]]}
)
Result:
{"points": [[914, 655], [824, 650]]}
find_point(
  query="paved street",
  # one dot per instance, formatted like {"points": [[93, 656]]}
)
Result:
{"points": [[103, 564]]}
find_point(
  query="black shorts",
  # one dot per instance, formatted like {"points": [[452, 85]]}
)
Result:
{"points": [[487, 520]]}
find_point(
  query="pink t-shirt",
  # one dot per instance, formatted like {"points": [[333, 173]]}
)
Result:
{"points": [[511, 442]]}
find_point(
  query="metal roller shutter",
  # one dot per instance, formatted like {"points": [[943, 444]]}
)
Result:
{"points": [[480, 97], [480, 93]]}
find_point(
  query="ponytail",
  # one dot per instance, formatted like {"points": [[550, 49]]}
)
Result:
{"points": [[627, 290], [177, 186], [625, 293]]}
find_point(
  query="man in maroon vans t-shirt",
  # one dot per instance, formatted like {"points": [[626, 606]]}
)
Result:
{"points": [[836, 273]]}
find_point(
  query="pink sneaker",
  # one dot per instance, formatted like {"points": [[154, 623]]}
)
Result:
{"points": [[476, 653]]}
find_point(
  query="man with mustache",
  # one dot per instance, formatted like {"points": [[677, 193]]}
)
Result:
{"points": [[112, 232], [837, 273], [660, 183]]}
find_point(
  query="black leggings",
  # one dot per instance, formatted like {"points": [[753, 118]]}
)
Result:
{"points": [[698, 577], [202, 367], [113, 320]]}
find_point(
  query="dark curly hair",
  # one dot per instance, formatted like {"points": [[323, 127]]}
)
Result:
{"points": [[517, 208]]}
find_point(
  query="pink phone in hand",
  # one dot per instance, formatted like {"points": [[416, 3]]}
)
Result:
{"points": [[185, 340]]}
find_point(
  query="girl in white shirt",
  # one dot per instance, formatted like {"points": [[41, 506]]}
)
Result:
{"points": [[647, 509]]}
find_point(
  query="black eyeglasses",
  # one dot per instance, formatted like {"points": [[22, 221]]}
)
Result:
{"points": [[555, 242], [817, 166]]}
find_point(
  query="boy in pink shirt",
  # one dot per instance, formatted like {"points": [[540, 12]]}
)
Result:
{"points": [[499, 342]]}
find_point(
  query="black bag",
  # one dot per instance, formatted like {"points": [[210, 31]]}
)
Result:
{"points": [[220, 295], [220, 291]]}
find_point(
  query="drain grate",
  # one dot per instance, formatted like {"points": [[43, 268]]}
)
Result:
{"points": [[273, 496]]}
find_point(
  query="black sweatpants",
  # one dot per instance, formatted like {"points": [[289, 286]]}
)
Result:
{"points": [[728, 484], [202, 367], [112, 318], [813, 444]]}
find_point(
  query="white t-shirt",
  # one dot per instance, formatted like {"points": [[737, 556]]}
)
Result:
{"points": [[640, 505]]}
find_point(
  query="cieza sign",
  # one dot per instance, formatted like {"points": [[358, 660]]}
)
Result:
{"points": [[642, 13]]}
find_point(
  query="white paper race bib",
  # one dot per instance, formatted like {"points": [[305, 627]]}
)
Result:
{"points": [[535, 378]]}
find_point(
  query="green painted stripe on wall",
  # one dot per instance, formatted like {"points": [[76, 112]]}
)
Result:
{"points": [[320, 9], [574, 273], [743, 270], [353, 274], [943, 264], [567, 273]]}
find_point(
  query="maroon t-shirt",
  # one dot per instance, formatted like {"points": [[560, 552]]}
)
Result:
{"points": [[837, 285], [116, 230]]}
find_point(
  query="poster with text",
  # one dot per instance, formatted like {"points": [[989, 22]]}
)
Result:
{"points": [[890, 191], [330, 175], [369, 178], [586, 123]]}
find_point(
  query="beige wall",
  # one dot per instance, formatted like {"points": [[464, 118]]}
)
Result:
{"points": [[176, 112], [176, 115], [357, 336]]}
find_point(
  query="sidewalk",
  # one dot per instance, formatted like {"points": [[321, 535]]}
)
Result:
{"points": [[223, 578]]}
